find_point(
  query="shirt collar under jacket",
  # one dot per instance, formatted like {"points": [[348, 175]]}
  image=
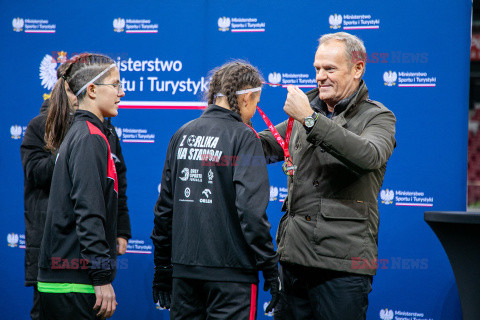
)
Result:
{"points": [[320, 106], [216, 111]]}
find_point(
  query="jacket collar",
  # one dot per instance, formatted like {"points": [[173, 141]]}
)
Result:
{"points": [[84, 115], [44, 107], [344, 107], [219, 112]]}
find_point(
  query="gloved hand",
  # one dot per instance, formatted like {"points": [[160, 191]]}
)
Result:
{"points": [[162, 286], [272, 283]]}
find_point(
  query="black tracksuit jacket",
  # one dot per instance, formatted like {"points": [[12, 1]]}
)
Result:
{"points": [[38, 164], [79, 242], [210, 219]]}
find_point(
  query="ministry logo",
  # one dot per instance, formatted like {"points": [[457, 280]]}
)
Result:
{"points": [[390, 78], [16, 132], [386, 314], [12, 240], [269, 314], [387, 196], [18, 24], [119, 132], [335, 21], [118, 25], [273, 193], [223, 24], [274, 78], [48, 72]]}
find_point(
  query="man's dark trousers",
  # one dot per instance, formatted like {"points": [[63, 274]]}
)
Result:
{"points": [[313, 293]]}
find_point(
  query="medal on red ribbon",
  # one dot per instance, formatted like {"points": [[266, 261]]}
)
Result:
{"points": [[288, 166]]}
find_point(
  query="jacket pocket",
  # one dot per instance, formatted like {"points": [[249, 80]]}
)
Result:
{"points": [[341, 228]]}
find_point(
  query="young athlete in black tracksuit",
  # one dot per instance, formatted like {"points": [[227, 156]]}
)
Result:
{"points": [[38, 164], [211, 232], [77, 261]]}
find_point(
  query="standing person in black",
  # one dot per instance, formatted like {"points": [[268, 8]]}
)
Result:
{"points": [[77, 261], [38, 164], [211, 232]]}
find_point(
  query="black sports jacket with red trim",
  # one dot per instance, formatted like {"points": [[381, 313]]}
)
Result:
{"points": [[210, 218], [79, 243]]}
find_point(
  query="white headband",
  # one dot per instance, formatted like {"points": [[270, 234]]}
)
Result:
{"points": [[241, 91], [95, 79]]}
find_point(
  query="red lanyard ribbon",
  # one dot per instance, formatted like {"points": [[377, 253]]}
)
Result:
{"points": [[288, 166]]}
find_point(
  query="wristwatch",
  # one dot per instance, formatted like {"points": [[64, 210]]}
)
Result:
{"points": [[309, 121]]}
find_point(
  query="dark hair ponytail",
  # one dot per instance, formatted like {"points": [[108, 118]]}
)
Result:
{"points": [[75, 73], [230, 78], [59, 116]]}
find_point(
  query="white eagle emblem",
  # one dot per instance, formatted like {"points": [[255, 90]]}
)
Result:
{"points": [[223, 24], [16, 131], [265, 305], [387, 196], [118, 24], [335, 21], [17, 24], [273, 193], [119, 132], [386, 314], [390, 78], [274, 78], [12, 240], [48, 72]]}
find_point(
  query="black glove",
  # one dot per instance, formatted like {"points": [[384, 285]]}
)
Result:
{"points": [[162, 286], [272, 283]]}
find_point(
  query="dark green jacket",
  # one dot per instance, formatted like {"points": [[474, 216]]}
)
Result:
{"points": [[332, 218]]}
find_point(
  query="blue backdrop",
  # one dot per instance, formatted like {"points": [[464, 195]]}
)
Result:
{"points": [[418, 66]]}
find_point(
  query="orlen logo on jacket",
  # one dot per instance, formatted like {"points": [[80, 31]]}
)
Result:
{"points": [[17, 24], [118, 25], [12, 240], [386, 314], [390, 77], [223, 24], [335, 21], [274, 78]]}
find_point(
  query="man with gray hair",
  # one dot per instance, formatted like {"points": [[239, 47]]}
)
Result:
{"points": [[340, 143]]}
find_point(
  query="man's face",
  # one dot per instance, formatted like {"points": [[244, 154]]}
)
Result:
{"points": [[336, 77]]}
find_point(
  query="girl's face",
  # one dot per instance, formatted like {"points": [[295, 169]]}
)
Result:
{"points": [[250, 103], [108, 96]]}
